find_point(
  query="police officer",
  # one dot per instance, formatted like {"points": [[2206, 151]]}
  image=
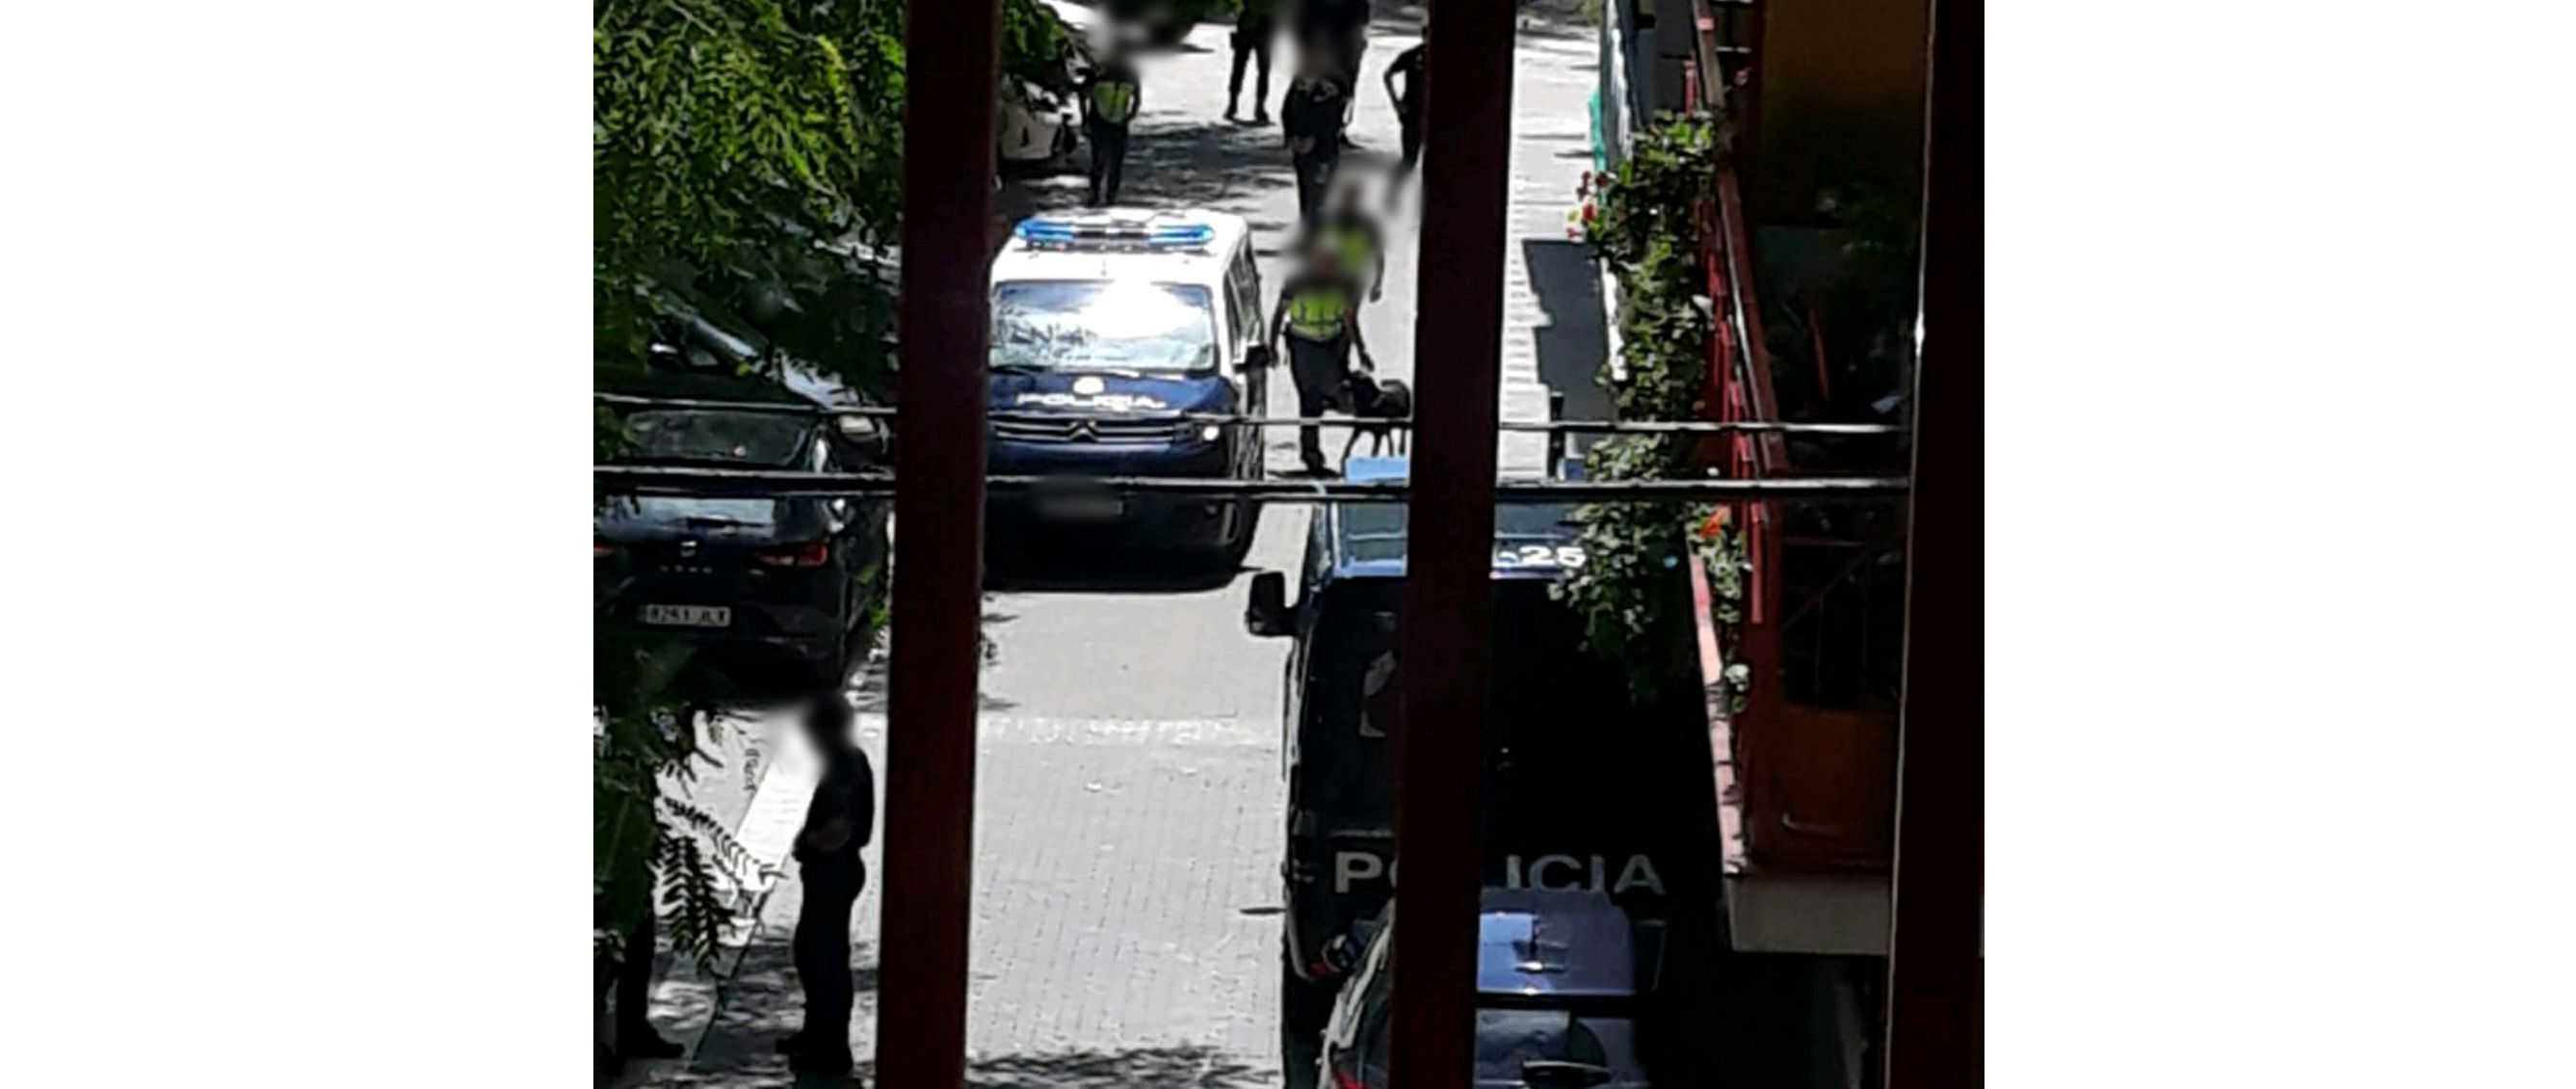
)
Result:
{"points": [[1318, 313], [1311, 121], [1254, 26], [1111, 95], [1408, 104], [839, 821], [1357, 244]]}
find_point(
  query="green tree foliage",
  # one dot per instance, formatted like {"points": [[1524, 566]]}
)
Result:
{"points": [[746, 174], [746, 170], [1645, 219], [735, 180]]}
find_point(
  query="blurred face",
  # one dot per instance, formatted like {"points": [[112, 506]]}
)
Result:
{"points": [[826, 729]]}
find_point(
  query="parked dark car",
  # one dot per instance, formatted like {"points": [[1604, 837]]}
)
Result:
{"points": [[752, 583], [1563, 982]]}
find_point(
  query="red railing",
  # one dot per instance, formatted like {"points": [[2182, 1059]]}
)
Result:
{"points": [[1816, 784]]}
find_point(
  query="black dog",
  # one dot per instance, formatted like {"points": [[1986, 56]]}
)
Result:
{"points": [[1372, 404]]}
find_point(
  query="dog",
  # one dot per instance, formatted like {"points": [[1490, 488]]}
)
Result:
{"points": [[1373, 403]]}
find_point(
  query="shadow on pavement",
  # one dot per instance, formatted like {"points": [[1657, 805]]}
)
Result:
{"points": [[1538, 19], [1177, 1066], [1138, 572], [1210, 164], [1180, 1066], [1214, 164], [1575, 341]]}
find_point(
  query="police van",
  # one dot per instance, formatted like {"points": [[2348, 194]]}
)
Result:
{"points": [[1111, 329], [1584, 789]]}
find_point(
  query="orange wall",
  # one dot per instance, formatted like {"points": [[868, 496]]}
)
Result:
{"points": [[1841, 100]]}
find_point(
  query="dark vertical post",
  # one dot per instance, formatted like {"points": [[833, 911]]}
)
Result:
{"points": [[1448, 594], [1936, 963], [939, 512]]}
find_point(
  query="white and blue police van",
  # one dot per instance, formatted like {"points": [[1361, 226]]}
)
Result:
{"points": [[1112, 330]]}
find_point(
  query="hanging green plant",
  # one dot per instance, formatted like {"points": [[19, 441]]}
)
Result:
{"points": [[1644, 218]]}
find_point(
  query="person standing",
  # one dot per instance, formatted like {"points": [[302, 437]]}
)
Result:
{"points": [[838, 822], [1409, 64], [1111, 95], [1318, 313], [1311, 121], [1254, 27], [1358, 246]]}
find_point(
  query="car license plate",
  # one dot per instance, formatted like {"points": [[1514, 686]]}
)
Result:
{"points": [[689, 616], [1082, 508]]}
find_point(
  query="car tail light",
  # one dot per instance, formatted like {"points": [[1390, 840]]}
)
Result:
{"points": [[805, 555], [600, 550], [1346, 1081]]}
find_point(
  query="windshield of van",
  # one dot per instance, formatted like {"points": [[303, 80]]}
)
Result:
{"points": [[1103, 325]]}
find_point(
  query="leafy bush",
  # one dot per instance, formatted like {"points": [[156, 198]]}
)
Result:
{"points": [[1645, 219]]}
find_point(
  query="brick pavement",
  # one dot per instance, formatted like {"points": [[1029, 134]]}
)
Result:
{"points": [[1123, 931]]}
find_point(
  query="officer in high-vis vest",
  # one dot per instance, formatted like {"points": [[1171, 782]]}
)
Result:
{"points": [[1318, 314], [1111, 96]]}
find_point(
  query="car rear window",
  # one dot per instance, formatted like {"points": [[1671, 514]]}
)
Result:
{"points": [[758, 438], [689, 512]]}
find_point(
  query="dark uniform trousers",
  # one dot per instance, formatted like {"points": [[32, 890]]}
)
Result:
{"points": [[1319, 367], [1251, 43], [1315, 175], [1108, 160], [822, 948]]}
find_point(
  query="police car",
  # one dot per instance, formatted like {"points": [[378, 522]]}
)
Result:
{"points": [[1564, 987], [1110, 329], [1584, 789]]}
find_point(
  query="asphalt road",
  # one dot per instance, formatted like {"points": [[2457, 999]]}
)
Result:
{"points": [[1128, 810]]}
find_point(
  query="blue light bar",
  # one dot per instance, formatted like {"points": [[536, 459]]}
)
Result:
{"points": [[1046, 231], [1181, 235], [1094, 233]]}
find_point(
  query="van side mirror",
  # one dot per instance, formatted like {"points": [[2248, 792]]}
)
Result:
{"points": [[1258, 357], [860, 440], [1342, 954], [1267, 613]]}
